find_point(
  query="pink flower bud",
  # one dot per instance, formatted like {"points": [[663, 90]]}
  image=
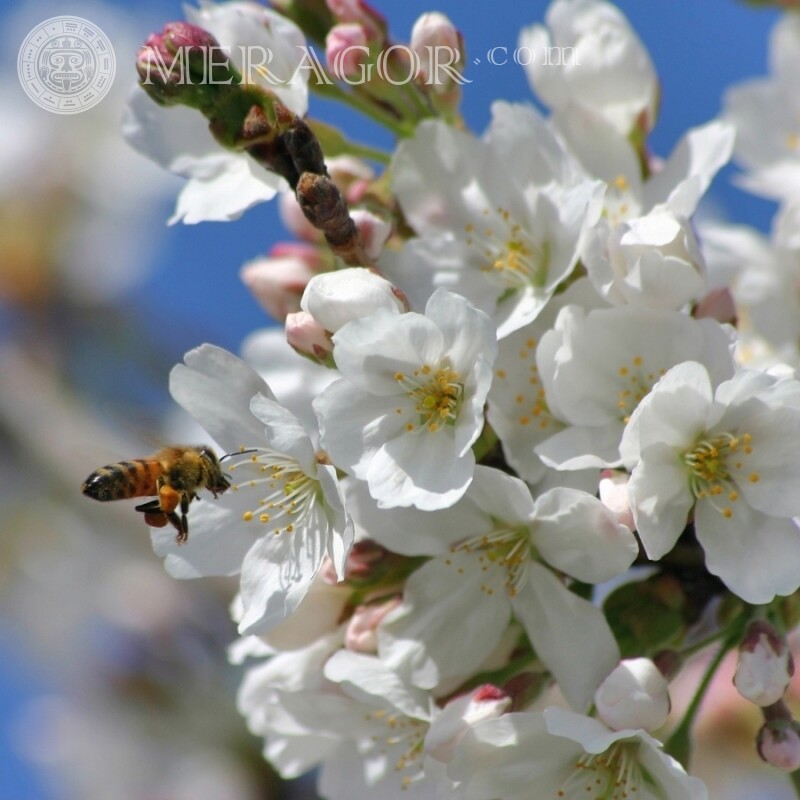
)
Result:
{"points": [[437, 42], [434, 29], [336, 298], [364, 559], [460, 714], [178, 35], [373, 231], [613, 490], [307, 336], [278, 281], [718, 304], [346, 50], [778, 743], [765, 665], [634, 696], [362, 629], [364, 14]]}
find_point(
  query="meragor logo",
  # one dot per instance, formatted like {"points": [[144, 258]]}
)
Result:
{"points": [[66, 64]]}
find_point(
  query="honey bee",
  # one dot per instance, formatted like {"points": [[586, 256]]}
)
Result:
{"points": [[174, 474]]}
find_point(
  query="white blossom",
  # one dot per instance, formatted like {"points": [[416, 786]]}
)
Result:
{"points": [[285, 511], [730, 457], [410, 405]]}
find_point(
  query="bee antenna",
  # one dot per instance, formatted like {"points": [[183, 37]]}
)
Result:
{"points": [[238, 453]]}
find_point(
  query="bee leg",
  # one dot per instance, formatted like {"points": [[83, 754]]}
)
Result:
{"points": [[153, 515], [169, 499]]}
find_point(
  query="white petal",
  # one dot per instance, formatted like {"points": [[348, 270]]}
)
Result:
{"points": [[422, 470], [660, 498], [686, 176], [217, 544], [368, 679], [756, 556], [216, 387], [285, 433], [430, 636], [276, 576], [578, 535], [569, 634], [236, 184]]}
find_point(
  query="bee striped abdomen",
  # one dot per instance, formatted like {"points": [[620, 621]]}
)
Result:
{"points": [[125, 479]]}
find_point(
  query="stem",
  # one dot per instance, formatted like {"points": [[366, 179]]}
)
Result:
{"points": [[679, 744], [332, 91], [795, 778], [369, 153]]}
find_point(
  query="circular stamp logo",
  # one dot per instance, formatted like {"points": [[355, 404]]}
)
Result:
{"points": [[66, 65]]}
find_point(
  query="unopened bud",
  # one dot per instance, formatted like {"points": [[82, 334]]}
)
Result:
{"points": [[778, 743], [765, 665], [634, 696], [718, 304], [362, 634], [278, 281], [336, 298], [459, 715], [372, 230], [307, 336], [364, 14], [613, 489], [182, 64], [364, 560], [432, 36], [191, 38], [346, 49]]}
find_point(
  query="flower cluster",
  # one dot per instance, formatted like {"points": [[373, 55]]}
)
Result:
{"points": [[531, 377]]}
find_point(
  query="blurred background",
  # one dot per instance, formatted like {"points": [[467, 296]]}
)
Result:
{"points": [[113, 677]]}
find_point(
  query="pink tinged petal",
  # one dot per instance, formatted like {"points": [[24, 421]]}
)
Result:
{"points": [[692, 166], [505, 757], [285, 433], [430, 636], [756, 556], [420, 469], [569, 634], [217, 544], [578, 535], [661, 499], [369, 680], [216, 387]]}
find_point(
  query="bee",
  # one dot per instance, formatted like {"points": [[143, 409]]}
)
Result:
{"points": [[174, 474]]}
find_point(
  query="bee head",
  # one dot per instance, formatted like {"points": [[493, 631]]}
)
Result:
{"points": [[216, 482]]}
